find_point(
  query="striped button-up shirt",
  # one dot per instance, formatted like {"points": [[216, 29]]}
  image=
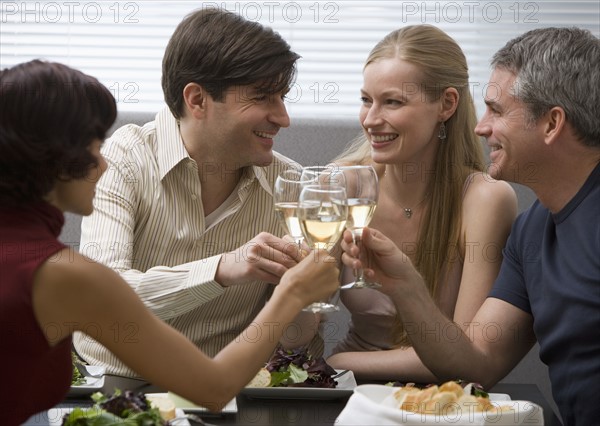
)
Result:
{"points": [[148, 224]]}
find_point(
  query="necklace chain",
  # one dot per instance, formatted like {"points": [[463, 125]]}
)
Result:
{"points": [[408, 211]]}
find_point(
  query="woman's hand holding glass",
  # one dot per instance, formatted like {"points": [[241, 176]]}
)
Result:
{"points": [[362, 190], [323, 212]]}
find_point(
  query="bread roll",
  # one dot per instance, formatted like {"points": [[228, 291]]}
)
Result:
{"points": [[447, 398], [441, 403], [468, 404], [452, 387], [165, 406], [415, 402], [261, 380]]}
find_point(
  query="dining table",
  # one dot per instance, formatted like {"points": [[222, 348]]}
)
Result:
{"points": [[282, 411]]}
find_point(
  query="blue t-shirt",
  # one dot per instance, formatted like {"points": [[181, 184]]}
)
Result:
{"points": [[551, 269]]}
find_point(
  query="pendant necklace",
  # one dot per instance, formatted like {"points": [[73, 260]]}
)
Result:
{"points": [[408, 211]]}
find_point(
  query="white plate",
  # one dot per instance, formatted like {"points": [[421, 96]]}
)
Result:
{"points": [[345, 387], [499, 397], [190, 407], [374, 404], [55, 416], [91, 385]]}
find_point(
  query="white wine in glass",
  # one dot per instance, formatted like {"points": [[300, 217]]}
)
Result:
{"points": [[288, 186], [360, 212], [323, 224], [323, 212], [362, 190]]}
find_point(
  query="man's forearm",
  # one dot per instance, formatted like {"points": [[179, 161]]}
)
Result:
{"points": [[440, 343]]}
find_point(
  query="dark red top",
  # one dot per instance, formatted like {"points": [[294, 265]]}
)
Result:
{"points": [[33, 376]]}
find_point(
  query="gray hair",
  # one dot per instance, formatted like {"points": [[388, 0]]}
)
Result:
{"points": [[557, 67]]}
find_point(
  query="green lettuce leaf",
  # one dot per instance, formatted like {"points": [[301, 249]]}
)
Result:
{"points": [[297, 374]]}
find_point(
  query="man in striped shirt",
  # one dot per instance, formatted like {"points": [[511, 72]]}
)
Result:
{"points": [[185, 211]]}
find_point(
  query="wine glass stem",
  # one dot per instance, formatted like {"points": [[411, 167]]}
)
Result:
{"points": [[358, 273]]}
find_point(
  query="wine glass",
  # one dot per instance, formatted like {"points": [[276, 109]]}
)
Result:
{"points": [[362, 190], [328, 174], [285, 196], [323, 211]]}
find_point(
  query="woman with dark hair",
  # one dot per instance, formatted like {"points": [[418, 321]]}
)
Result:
{"points": [[53, 122]]}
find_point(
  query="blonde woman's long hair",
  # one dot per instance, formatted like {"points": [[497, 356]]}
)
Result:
{"points": [[442, 64]]}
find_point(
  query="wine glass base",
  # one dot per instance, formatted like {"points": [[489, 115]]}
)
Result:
{"points": [[360, 284], [319, 307]]}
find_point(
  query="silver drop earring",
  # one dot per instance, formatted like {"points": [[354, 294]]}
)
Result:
{"points": [[442, 132]]}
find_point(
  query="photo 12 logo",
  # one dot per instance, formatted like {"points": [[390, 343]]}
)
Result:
{"points": [[468, 11], [289, 11], [70, 11]]}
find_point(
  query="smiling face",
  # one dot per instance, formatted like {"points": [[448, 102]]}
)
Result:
{"points": [[241, 128], [514, 141], [399, 122], [77, 195]]}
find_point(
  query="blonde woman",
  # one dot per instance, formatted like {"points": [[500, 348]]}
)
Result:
{"points": [[436, 202]]}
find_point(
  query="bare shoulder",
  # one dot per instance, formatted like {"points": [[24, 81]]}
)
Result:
{"points": [[489, 207], [70, 279], [483, 190], [70, 290], [73, 269]]}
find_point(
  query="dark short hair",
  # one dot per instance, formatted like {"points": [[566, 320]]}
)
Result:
{"points": [[218, 49], [50, 114]]}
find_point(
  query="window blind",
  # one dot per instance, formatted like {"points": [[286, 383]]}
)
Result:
{"points": [[122, 42]]}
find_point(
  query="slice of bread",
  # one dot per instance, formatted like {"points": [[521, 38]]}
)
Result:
{"points": [[261, 380], [449, 397], [440, 403], [452, 387], [401, 393], [165, 406]]}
